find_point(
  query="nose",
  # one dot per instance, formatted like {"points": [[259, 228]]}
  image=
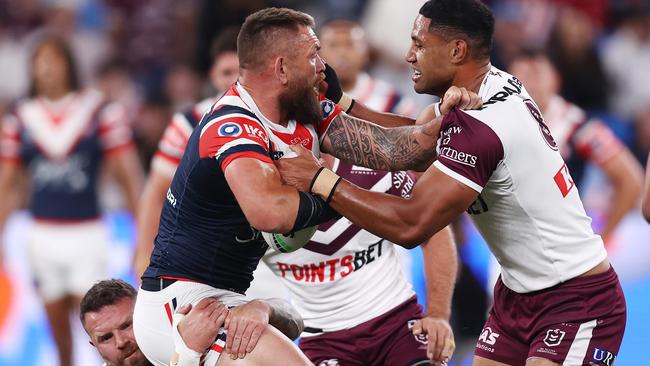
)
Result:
{"points": [[410, 55], [320, 64], [122, 339]]}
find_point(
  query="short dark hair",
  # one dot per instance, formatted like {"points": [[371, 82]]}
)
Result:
{"points": [[104, 293], [66, 51], [226, 41], [259, 32], [470, 20]]}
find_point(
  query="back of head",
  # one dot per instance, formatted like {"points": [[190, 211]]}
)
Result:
{"points": [[470, 20], [267, 31], [105, 293]]}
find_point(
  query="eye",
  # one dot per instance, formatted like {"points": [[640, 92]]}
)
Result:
{"points": [[104, 338]]}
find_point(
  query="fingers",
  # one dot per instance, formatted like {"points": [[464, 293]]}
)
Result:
{"points": [[417, 327], [231, 327], [255, 336], [432, 345], [241, 341], [184, 309], [451, 99], [464, 99], [448, 348]]}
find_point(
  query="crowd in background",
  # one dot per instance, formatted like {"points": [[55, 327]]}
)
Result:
{"points": [[154, 57]]}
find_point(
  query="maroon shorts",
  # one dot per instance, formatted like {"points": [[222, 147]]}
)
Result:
{"points": [[578, 322], [384, 340]]}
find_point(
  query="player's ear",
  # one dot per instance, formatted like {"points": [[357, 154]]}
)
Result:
{"points": [[458, 51], [280, 69]]}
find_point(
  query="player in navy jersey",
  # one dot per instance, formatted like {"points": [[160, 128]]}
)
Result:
{"points": [[223, 72], [62, 135], [558, 301]]}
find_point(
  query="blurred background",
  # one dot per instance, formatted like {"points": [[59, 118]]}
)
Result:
{"points": [[586, 62]]}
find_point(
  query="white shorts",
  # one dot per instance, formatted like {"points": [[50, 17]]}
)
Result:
{"points": [[67, 259], [152, 322]]}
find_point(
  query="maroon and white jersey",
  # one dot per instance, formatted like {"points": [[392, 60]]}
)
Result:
{"points": [[574, 133], [172, 144], [346, 276], [528, 208], [381, 96]]}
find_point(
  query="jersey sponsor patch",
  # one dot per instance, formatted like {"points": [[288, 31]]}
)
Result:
{"points": [[229, 129]]}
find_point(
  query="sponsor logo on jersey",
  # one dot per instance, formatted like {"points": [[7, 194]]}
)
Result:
{"points": [[563, 180], [603, 357], [514, 88], [170, 198], [478, 206], [330, 362], [256, 132], [554, 337], [402, 179], [362, 170], [333, 269], [446, 134], [69, 175], [229, 129], [454, 155], [327, 106]]}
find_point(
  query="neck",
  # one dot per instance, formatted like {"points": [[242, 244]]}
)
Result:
{"points": [[53, 93], [472, 74], [265, 96]]}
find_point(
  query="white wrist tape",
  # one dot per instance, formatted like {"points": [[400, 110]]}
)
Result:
{"points": [[183, 355], [436, 109], [345, 102]]}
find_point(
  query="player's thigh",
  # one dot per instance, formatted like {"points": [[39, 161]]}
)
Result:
{"points": [[540, 362], [272, 349], [480, 361]]}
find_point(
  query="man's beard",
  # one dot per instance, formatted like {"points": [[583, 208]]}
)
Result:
{"points": [[300, 103]]}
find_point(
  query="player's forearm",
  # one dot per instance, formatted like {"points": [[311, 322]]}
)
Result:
{"points": [[383, 119], [440, 268], [285, 318], [387, 216], [8, 180], [645, 206], [391, 149], [129, 175], [626, 177], [148, 219]]}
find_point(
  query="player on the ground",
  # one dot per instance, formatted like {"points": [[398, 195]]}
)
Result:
{"points": [[106, 313], [558, 300], [581, 139], [223, 72], [62, 136]]}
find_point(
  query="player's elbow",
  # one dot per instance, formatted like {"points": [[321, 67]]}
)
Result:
{"points": [[411, 236], [271, 221]]}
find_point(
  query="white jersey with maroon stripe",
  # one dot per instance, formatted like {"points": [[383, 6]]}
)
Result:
{"points": [[528, 208], [381, 96], [172, 144], [574, 133], [346, 276]]}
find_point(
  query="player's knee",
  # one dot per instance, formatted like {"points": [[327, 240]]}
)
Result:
{"points": [[535, 361]]}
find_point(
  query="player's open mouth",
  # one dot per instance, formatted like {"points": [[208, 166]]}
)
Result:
{"points": [[416, 75]]}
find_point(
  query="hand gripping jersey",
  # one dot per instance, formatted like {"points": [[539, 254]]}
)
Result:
{"points": [[62, 144], [203, 235], [528, 208], [174, 139], [578, 137], [346, 276]]}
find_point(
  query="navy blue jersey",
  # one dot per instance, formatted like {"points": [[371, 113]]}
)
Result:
{"points": [[62, 145], [203, 234]]}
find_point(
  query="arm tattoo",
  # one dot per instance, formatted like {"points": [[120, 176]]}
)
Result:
{"points": [[366, 144]]}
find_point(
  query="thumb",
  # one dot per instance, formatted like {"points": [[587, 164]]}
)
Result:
{"points": [[417, 327], [184, 309]]}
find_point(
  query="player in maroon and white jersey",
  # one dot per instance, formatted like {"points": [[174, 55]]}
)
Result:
{"points": [[61, 135], [580, 138], [558, 301]]}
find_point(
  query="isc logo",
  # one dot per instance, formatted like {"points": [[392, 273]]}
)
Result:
{"points": [[488, 336], [256, 132]]}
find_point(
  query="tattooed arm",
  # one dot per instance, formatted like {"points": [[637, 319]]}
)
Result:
{"points": [[363, 143]]}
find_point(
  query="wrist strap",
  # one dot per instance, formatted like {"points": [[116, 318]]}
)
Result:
{"points": [[346, 102], [436, 108], [324, 183], [183, 355]]}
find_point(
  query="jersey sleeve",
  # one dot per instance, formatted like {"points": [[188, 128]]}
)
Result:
{"points": [[114, 131], [233, 136], [468, 150], [173, 142], [10, 143], [596, 142], [330, 111]]}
